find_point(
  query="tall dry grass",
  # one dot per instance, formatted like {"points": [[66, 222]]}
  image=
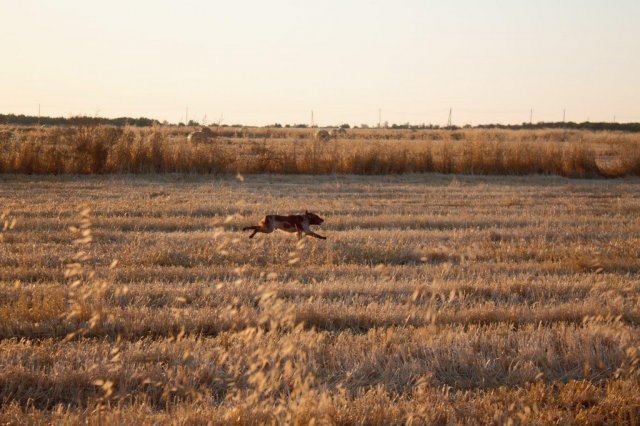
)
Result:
{"points": [[99, 150]]}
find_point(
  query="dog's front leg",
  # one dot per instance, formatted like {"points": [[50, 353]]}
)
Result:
{"points": [[313, 234]]}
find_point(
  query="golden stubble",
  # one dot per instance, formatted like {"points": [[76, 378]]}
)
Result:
{"points": [[434, 299]]}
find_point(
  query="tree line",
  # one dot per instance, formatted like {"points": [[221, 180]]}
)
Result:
{"points": [[31, 120]]}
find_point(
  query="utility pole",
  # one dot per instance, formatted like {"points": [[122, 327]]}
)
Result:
{"points": [[449, 120], [531, 116], [312, 122]]}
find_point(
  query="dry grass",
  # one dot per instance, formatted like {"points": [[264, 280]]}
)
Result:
{"points": [[434, 300], [99, 150]]}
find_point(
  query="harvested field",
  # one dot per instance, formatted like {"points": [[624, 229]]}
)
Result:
{"points": [[435, 299]]}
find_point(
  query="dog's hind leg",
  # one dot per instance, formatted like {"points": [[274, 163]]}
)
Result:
{"points": [[255, 229]]}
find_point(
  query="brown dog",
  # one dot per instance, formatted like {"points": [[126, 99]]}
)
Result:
{"points": [[293, 223]]}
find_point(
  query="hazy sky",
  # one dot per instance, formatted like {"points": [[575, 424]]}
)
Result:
{"points": [[259, 62]]}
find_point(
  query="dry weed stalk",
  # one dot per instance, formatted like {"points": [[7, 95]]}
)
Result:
{"points": [[8, 223]]}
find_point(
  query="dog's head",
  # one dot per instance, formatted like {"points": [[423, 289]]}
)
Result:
{"points": [[313, 218]]}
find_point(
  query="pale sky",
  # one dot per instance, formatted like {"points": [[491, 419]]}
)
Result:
{"points": [[260, 62]]}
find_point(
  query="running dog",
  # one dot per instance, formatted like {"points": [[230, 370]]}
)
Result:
{"points": [[293, 223]]}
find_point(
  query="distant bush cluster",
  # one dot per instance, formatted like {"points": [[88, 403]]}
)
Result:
{"points": [[116, 149], [586, 125]]}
